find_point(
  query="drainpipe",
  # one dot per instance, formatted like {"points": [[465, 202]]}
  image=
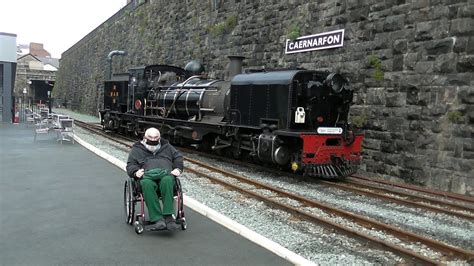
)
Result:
{"points": [[109, 59]]}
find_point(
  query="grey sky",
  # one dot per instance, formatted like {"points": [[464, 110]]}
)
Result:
{"points": [[58, 24]]}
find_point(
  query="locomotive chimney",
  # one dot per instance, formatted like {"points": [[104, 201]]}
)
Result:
{"points": [[235, 65]]}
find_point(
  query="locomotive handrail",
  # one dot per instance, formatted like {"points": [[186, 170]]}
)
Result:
{"points": [[151, 78], [189, 79], [177, 96], [180, 93]]}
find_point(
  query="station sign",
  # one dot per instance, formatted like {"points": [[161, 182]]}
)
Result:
{"points": [[320, 41]]}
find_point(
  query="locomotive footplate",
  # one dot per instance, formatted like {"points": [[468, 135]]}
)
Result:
{"points": [[330, 170]]}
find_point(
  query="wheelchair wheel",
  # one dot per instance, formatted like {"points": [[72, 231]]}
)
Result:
{"points": [[129, 204], [138, 227], [183, 224]]}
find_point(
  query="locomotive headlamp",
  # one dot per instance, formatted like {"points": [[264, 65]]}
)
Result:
{"points": [[336, 82]]}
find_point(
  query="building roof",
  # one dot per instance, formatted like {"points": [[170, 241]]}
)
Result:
{"points": [[50, 67], [37, 50], [25, 55], [49, 60], [53, 62]]}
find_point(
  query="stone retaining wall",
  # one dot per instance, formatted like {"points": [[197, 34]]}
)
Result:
{"points": [[411, 63]]}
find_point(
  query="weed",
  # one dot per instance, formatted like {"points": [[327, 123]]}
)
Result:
{"points": [[376, 63], [455, 117], [294, 32]]}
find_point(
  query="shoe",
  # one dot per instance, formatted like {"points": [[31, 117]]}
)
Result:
{"points": [[171, 223], [159, 225]]}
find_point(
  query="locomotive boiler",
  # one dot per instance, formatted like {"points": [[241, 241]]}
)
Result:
{"points": [[291, 119]]}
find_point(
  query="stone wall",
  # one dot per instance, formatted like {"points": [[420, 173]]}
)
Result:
{"points": [[411, 63]]}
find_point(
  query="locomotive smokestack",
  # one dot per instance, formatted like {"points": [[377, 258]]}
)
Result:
{"points": [[235, 65]]}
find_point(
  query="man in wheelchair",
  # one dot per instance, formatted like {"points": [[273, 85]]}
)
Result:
{"points": [[155, 163]]}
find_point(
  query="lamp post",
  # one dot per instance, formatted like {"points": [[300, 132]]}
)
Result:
{"points": [[132, 100], [28, 86], [25, 91], [49, 101]]}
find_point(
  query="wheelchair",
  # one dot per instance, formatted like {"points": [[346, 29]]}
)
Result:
{"points": [[132, 196]]}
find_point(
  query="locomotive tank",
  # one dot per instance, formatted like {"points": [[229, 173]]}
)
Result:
{"points": [[195, 99], [298, 100]]}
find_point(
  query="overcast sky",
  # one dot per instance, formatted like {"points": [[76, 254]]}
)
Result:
{"points": [[58, 24]]}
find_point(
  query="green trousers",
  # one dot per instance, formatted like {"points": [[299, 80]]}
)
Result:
{"points": [[153, 181]]}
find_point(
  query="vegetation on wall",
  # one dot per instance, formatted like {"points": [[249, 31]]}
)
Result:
{"points": [[359, 120], [294, 32], [143, 21], [223, 27], [376, 63], [455, 117]]}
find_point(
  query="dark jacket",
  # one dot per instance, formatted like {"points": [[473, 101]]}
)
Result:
{"points": [[167, 157]]}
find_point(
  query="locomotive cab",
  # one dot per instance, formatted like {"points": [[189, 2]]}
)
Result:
{"points": [[115, 93]]}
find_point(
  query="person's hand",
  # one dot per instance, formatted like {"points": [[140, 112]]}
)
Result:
{"points": [[176, 172], [140, 173]]}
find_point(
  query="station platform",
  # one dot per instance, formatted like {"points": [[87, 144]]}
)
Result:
{"points": [[63, 205]]}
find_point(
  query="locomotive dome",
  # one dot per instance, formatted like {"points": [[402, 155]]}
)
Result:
{"points": [[194, 67]]}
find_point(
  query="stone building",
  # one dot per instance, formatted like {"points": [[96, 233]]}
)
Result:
{"points": [[411, 64], [36, 74], [34, 79]]}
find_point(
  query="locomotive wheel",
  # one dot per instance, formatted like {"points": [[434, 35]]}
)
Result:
{"points": [[136, 133], [110, 124], [236, 153]]}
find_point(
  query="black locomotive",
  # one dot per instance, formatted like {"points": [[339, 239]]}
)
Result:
{"points": [[293, 119]]}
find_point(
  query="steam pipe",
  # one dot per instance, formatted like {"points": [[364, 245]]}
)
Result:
{"points": [[109, 59]]}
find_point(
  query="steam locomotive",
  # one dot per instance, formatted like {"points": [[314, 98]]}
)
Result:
{"points": [[290, 119]]}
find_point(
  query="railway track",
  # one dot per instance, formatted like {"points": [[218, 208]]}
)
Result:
{"points": [[409, 199], [449, 252], [451, 204], [463, 199]]}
